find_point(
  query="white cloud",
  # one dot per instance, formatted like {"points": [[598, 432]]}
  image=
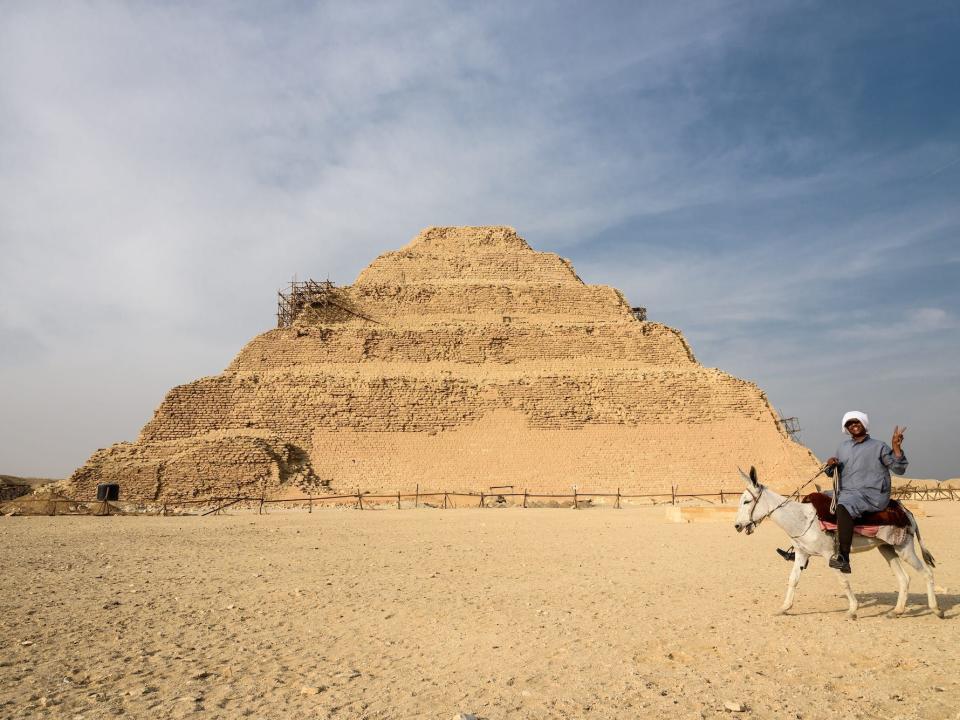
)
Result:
{"points": [[906, 326], [932, 319]]}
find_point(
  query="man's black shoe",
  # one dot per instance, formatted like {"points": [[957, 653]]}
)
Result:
{"points": [[791, 556], [841, 563], [788, 555]]}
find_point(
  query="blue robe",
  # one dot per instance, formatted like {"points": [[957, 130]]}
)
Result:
{"points": [[865, 474]]}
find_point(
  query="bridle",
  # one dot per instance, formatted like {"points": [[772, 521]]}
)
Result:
{"points": [[753, 507], [754, 523]]}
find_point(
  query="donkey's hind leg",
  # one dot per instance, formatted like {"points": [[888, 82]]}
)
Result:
{"points": [[903, 580], [798, 564], [907, 553]]}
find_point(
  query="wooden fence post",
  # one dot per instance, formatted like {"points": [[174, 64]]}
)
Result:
{"points": [[444, 500], [260, 512], [673, 495], [481, 498], [416, 498], [310, 507], [617, 506], [398, 499], [359, 499], [524, 497], [575, 505]]}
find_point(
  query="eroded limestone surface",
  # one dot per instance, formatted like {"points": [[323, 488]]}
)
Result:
{"points": [[461, 361]]}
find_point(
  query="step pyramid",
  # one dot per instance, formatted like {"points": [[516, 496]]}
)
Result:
{"points": [[463, 361]]}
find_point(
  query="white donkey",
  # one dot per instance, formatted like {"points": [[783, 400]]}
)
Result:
{"points": [[799, 521]]}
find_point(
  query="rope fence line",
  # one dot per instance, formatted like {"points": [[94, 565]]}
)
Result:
{"points": [[219, 504]]}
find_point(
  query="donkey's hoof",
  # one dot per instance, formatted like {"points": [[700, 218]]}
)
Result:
{"points": [[852, 615], [781, 611], [939, 613]]}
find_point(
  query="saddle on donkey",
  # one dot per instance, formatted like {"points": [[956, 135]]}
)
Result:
{"points": [[890, 525]]}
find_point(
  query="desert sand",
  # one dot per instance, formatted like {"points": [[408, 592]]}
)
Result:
{"points": [[503, 613]]}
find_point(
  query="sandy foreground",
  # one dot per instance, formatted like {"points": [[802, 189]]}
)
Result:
{"points": [[519, 613]]}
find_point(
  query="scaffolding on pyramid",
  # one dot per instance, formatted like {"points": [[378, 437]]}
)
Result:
{"points": [[315, 295], [790, 425]]}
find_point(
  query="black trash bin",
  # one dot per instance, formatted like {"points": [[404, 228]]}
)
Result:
{"points": [[108, 492]]}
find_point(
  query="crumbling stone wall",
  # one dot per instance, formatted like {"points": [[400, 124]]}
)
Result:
{"points": [[209, 465], [463, 360]]}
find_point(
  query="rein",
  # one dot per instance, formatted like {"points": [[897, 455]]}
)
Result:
{"points": [[791, 496]]}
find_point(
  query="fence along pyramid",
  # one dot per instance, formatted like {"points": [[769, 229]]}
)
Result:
{"points": [[464, 360]]}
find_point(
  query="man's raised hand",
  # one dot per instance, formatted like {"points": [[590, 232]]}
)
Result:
{"points": [[897, 440]]}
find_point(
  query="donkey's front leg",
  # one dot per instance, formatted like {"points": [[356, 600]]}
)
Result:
{"points": [[798, 563], [851, 598]]}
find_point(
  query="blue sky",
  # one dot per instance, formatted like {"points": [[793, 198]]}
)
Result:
{"points": [[778, 180]]}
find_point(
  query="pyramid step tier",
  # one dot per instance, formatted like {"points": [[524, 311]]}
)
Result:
{"points": [[407, 266], [384, 303], [499, 449], [381, 399], [498, 343]]}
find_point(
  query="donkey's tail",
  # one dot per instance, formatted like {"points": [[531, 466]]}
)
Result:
{"points": [[915, 530]]}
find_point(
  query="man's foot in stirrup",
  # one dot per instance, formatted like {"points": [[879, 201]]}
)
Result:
{"points": [[788, 555], [841, 563]]}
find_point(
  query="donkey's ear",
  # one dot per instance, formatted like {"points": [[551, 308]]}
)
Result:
{"points": [[746, 478], [753, 476]]}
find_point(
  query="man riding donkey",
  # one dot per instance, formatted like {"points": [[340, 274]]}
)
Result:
{"points": [[862, 466], [861, 471]]}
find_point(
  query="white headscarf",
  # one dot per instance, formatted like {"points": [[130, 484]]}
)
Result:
{"points": [[855, 415]]}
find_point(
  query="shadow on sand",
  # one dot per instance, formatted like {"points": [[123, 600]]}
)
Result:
{"points": [[880, 605]]}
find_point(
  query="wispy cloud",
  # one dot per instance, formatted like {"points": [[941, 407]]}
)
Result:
{"points": [[920, 321]]}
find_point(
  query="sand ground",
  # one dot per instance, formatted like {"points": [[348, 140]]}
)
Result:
{"points": [[504, 613]]}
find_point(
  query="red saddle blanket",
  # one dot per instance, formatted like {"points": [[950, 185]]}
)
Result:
{"points": [[893, 515]]}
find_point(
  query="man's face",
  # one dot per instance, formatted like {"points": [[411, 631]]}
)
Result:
{"points": [[855, 428]]}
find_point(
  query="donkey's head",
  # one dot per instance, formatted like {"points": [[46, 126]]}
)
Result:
{"points": [[747, 514]]}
